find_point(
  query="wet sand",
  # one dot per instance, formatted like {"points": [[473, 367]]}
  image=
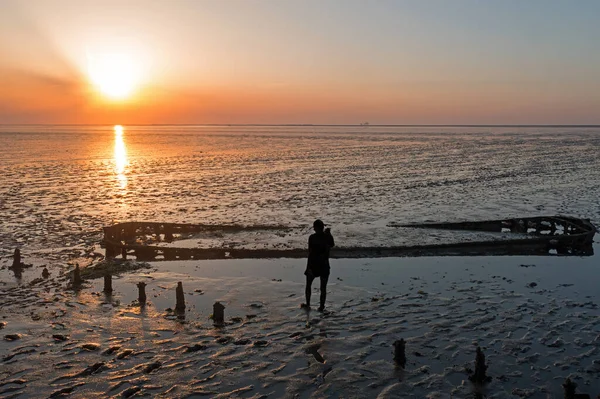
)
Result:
{"points": [[536, 319], [63, 183]]}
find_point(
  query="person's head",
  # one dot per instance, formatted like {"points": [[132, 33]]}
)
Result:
{"points": [[318, 225]]}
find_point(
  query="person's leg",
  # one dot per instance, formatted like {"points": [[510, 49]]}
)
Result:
{"points": [[324, 279], [309, 280]]}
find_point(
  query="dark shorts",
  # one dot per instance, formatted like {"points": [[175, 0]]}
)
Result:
{"points": [[316, 273]]}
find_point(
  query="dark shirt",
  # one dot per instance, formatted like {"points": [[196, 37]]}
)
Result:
{"points": [[318, 253]]}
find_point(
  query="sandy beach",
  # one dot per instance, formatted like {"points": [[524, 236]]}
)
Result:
{"points": [[536, 319]]}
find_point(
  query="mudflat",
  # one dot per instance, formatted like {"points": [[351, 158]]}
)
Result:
{"points": [[535, 318]]}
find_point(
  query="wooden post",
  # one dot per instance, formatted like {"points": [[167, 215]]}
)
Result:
{"points": [[110, 251], [218, 313], [142, 293], [569, 387], [479, 376], [108, 284], [180, 298], [17, 258], [77, 276], [400, 352]]}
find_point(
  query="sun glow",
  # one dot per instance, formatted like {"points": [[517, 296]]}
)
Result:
{"points": [[114, 74]]}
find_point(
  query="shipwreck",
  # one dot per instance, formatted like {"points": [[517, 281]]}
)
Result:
{"points": [[542, 235]]}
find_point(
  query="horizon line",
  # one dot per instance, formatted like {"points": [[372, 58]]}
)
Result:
{"points": [[302, 125]]}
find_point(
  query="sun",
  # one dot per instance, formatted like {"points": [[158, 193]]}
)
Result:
{"points": [[114, 75]]}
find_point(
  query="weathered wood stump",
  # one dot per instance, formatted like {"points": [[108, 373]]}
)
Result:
{"points": [[108, 284], [77, 281], [141, 293], [400, 352], [17, 258], [479, 376], [180, 298], [570, 387], [218, 314]]}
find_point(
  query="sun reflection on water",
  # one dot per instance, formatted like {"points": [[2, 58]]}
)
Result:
{"points": [[120, 157]]}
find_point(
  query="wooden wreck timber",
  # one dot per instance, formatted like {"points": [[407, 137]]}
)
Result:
{"points": [[561, 235], [564, 234], [540, 225]]}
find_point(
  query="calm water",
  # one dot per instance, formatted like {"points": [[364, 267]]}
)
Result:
{"points": [[60, 185]]}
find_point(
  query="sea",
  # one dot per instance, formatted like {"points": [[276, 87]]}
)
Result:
{"points": [[59, 185]]}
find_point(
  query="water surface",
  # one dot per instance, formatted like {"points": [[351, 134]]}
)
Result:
{"points": [[61, 184]]}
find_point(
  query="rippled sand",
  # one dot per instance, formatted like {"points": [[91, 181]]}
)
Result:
{"points": [[534, 335]]}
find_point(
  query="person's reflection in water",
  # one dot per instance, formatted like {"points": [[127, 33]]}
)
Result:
{"points": [[319, 245]]}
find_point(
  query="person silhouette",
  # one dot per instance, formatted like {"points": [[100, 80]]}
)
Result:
{"points": [[319, 244]]}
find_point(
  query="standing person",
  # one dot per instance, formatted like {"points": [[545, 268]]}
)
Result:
{"points": [[319, 245]]}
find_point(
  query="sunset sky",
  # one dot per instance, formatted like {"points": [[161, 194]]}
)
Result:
{"points": [[300, 61]]}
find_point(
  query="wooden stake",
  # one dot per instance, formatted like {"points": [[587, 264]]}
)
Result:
{"points": [[77, 276], [108, 284], [17, 258], [218, 313], [180, 298], [142, 293], [399, 352]]}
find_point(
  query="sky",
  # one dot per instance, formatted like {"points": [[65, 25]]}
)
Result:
{"points": [[300, 61]]}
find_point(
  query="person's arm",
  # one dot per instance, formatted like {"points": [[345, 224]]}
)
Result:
{"points": [[330, 240], [308, 272]]}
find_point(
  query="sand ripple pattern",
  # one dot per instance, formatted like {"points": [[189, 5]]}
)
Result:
{"points": [[94, 347]]}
